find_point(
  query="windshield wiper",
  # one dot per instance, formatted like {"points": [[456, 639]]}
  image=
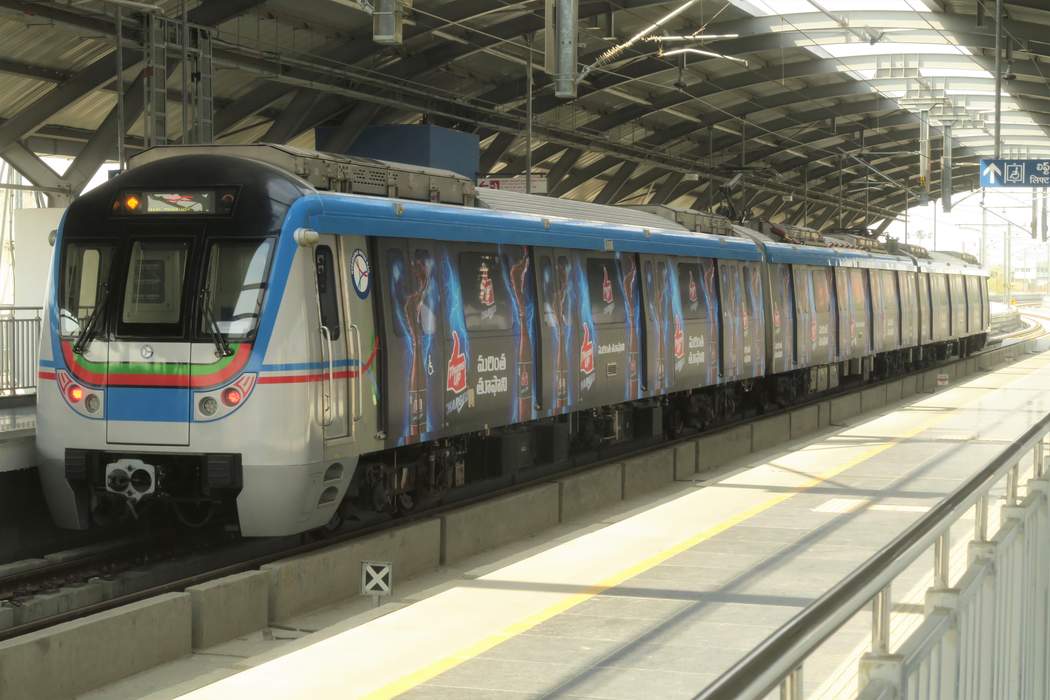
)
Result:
{"points": [[222, 346], [88, 331]]}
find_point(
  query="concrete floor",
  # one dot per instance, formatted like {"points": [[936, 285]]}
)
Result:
{"points": [[654, 600]]}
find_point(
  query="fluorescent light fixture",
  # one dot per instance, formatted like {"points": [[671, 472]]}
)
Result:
{"points": [[701, 52]]}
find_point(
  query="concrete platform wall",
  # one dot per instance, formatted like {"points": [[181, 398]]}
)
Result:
{"points": [[304, 583], [74, 657]]}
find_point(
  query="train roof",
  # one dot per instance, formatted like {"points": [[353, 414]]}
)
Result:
{"points": [[386, 193], [384, 217], [949, 263]]}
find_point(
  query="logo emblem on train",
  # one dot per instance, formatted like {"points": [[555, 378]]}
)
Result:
{"points": [[457, 367], [360, 273], [587, 351]]}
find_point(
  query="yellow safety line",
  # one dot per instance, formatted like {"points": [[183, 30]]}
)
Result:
{"points": [[438, 667]]}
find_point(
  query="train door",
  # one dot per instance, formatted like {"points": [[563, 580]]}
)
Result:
{"points": [[149, 399], [334, 395], [362, 339], [843, 294], [909, 300], [414, 349], [754, 318], [731, 298], [558, 330], [697, 311], [605, 361], [925, 319], [957, 304], [781, 318]]}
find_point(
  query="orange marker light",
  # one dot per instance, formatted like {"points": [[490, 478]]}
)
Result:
{"points": [[131, 202], [75, 393]]}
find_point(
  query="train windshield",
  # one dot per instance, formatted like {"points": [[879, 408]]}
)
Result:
{"points": [[160, 293], [85, 275], [235, 278], [153, 293]]}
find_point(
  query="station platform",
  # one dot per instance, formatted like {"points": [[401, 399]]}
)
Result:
{"points": [[653, 598]]}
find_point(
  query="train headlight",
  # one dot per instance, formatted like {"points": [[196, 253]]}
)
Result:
{"points": [[75, 393], [92, 403], [232, 396], [208, 406], [141, 480]]}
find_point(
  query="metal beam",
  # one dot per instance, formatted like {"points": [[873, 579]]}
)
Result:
{"points": [[287, 124], [578, 177], [609, 193], [667, 187], [37, 171], [356, 121], [103, 145], [562, 167], [86, 80], [212, 14], [495, 151]]}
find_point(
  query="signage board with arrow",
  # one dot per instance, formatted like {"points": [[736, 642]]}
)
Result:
{"points": [[1015, 173]]}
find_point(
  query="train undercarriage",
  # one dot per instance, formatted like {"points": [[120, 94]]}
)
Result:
{"points": [[404, 479]]}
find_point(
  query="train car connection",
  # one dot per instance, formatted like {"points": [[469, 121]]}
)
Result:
{"points": [[289, 337]]}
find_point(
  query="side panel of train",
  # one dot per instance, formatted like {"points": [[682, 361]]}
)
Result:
{"points": [[479, 335]]}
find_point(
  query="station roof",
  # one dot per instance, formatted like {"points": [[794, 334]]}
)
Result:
{"points": [[822, 120]]}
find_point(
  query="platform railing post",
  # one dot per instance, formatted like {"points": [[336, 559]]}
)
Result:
{"points": [[941, 560], [1011, 485], [791, 686], [1039, 458], [980, 520], [880, 622]]}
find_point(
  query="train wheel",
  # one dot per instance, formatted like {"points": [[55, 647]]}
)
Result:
{"points": [[404, 503], [334, 523], [675, 421]]}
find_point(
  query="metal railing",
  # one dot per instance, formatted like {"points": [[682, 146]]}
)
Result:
{"points": [[985, 638], [19, 339]]}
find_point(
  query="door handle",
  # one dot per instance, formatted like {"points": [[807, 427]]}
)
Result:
{"points": [[328, 411], [359, 396]]}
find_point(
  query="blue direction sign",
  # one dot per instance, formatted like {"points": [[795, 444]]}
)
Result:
{"points": [[1015, 173]]}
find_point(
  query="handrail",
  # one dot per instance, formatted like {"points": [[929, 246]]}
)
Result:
{"points": [[19, 335], [783, 652]]}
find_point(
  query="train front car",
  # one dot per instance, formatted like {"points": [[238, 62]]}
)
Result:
{"points": [[165, 343]]}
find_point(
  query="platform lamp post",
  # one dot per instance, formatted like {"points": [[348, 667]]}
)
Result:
{"points": [[528, 113]]}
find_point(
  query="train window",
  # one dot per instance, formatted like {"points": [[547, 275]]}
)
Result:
{"points": [[156, 272], [484, 291], [236, 279], [603, 284], [327, 290], [85, 270], [693, 289]]}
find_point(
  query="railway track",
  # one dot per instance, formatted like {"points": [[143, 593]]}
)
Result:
{"points": [[188, 562]]}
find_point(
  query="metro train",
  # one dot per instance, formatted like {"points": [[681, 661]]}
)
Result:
{"points": [[288, 336]]}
